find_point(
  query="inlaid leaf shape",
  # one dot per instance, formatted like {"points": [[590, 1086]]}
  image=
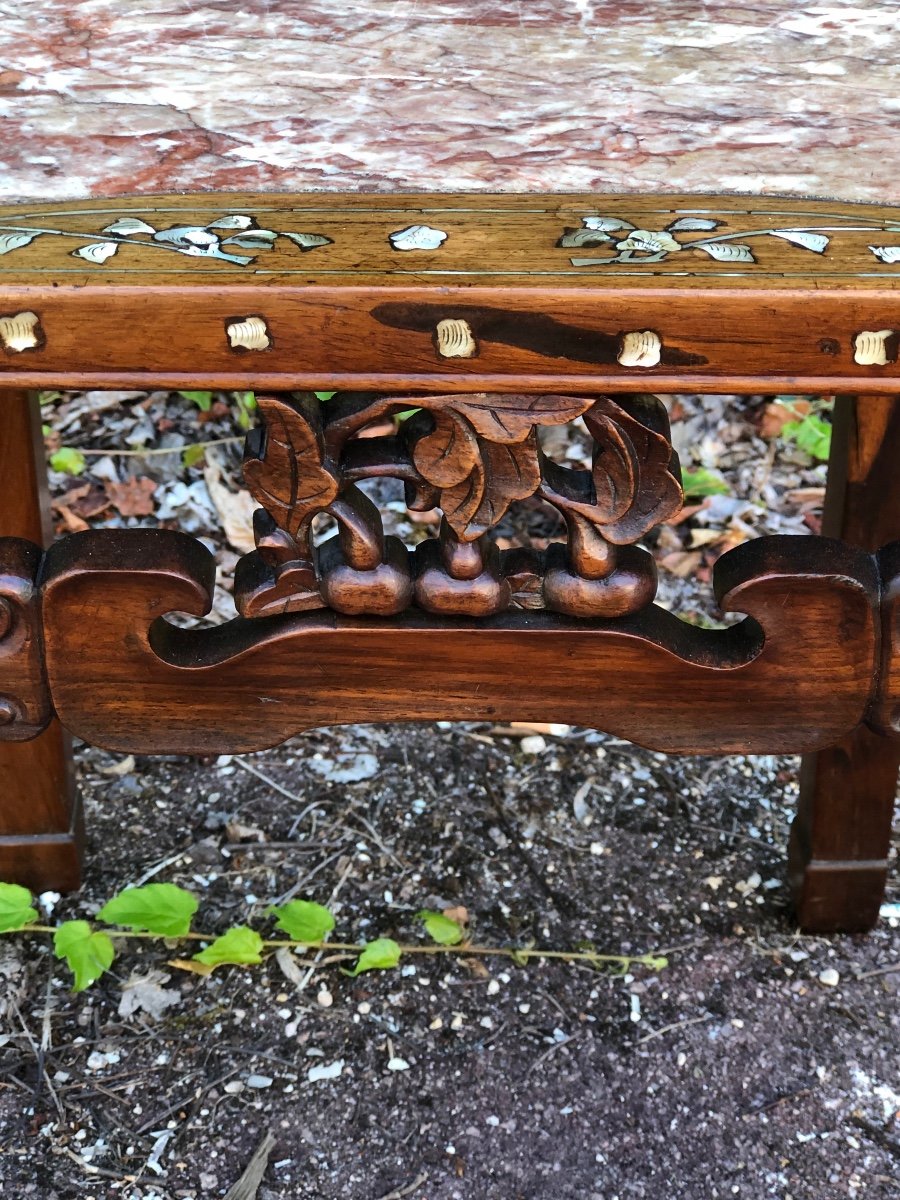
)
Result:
{"points": [[290, 477], [13, 241]]}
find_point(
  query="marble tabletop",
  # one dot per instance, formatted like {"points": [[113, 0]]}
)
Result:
{"points": [[103, 97]]}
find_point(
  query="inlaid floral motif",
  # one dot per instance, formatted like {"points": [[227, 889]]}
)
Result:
{"points": [[643, 246], [219, 239]]}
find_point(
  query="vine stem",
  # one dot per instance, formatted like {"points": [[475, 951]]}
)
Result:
{"points": [[226, 441], [463, 948]]}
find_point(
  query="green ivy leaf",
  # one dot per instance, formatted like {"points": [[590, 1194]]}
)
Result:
{"points": [[191, 455], [238, 947], [380, 955], [812, 434], [15, 908], [162, 908], [88, 952], [203, 400], [324, 395], [702, 482], [440, 928], [68, 461], [303, 921]]}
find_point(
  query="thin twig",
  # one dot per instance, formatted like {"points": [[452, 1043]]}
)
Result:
{"points": [[675, 1025], [399, 1193], [226, 441]]}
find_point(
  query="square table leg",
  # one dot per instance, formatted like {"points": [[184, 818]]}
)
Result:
{"points": [[40, 819], [841, 834]]}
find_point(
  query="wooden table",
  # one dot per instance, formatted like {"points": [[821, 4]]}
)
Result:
{"points": [[494, 316]]}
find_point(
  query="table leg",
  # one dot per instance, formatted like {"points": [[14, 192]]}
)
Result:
{"points": [[40, 819], [841, 834]]}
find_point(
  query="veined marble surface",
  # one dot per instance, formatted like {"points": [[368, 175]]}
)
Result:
{"points": [[109, 97]]}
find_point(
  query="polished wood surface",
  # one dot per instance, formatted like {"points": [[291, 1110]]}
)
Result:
{"points": [[40, 822], [452, 293], [841, 836]]}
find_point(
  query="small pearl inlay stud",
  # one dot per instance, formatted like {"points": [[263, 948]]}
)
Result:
{"points": [[870, 349], [640, 349], [455, 339], [21, 331], [248, 333]]}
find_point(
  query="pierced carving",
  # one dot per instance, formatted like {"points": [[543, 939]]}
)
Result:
{"points": [[472, 456], [21, 331]]}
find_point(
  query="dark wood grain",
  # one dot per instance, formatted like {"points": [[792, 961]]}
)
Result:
{"points": [[526, 311], [777, 681], [40, 821], [841, 835]]}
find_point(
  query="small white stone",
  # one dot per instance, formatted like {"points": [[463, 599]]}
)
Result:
{"points": [[829, 977], [437, 1023], [493, 988], [326, 1071], [259, 1081], [495, 1121], [458, 1021], [325, 999], [397, 1064], [233, 1087], [533, 744]]}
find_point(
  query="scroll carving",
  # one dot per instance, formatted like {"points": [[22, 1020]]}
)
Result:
{"points": [[24, 700], [472, 456]]}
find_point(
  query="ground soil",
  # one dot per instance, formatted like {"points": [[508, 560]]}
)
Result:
{"points": [[757, 1064]]}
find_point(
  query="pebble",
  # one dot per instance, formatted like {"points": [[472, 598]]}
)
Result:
{"points": [[829, 977], [533, 744], [397, 1064], [325, 1071], [233, 1087], [259, 1081], [325, 999], [493, 988]]}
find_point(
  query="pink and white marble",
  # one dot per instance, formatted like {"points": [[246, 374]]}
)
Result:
{"points": [[108, 97]]}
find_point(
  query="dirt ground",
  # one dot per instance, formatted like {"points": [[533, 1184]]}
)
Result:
{"points": [[757, 1064]]}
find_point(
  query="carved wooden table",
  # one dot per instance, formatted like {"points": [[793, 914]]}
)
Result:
{"points": [[493, 316]]}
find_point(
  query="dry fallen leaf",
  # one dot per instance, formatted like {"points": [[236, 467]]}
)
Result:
{"points": [[146, 993], [235, 509], [134, 497]]}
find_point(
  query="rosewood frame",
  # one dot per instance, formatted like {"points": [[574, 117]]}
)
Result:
{"points": [[443, 637]]}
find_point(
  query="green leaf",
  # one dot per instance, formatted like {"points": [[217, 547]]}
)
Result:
{"points": [[246, 406], [703, 482], [303, 921], [812, 434], [239, 947], [191, 455], [68, 461], [379, 955], [162, 908], [324, 395], [440, 928], [203, 400], [406, 414], [88, 952], [656, 962], [15, 908]]}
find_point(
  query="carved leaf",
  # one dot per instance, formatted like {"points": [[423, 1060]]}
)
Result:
{"points": [[290, 479], [448, 454], [634, 484], [511, 418], [726, 251], [505, 472], [12, 241]]}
